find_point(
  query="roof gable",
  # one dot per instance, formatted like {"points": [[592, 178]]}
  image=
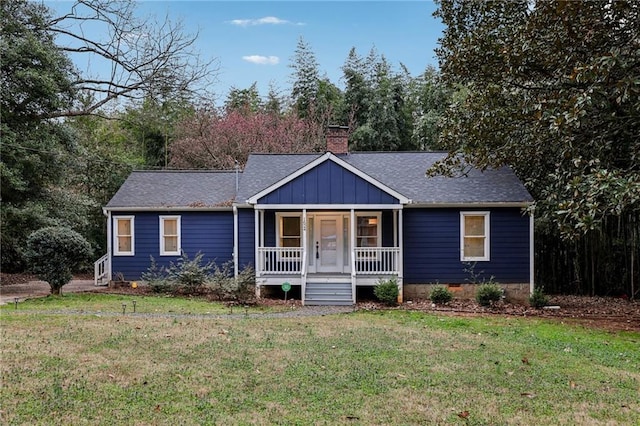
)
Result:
{"points": [[382, 192]]}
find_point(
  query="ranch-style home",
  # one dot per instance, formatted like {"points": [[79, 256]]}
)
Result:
{"points": [[332, 225]]}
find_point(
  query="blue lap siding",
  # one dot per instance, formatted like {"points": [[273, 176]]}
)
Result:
{"points": [[246, 237], [328, 183], [208, 232], [432, 246]]}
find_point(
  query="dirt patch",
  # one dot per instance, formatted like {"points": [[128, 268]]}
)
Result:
{"points": [[607, 313]]}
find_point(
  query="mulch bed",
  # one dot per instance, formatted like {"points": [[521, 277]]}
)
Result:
{"points": [[607, 313]]}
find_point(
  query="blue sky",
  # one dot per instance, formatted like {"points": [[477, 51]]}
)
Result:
{"points": [[254, 41]]}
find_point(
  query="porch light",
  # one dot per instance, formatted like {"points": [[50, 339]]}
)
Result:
{"points": [[373, 221]]}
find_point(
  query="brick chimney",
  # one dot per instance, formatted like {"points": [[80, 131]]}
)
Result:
{"points": [[338, 139]]}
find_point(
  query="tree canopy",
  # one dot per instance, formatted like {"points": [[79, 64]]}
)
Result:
{"points": [[552, 89]]}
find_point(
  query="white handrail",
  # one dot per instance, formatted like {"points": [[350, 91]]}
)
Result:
{"points": [[101, 269]]}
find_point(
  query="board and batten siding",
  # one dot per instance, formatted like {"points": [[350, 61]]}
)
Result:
{"points": [[328, 183], [208, 232], [432, 247]]}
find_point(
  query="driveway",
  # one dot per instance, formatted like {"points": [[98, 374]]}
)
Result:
{"points": [[31, 289]]}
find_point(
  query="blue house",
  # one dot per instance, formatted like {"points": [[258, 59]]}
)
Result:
{"points": [[332, 224]]}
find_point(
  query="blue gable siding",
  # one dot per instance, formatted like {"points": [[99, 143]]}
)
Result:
{"points": [[208, 232], [432, 247], [246, 238], [328, 183]]}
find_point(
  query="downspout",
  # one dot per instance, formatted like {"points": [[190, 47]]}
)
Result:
{"points": [[235, 241], [531, 253], [400, 258], [109, 240], [256, 244]]}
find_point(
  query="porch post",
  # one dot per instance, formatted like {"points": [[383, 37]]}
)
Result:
{"points": [[303, 259], [400, 257], [256, 244], [352, 220]]}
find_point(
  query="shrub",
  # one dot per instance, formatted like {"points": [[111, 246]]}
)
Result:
{"points": [[190, 274], [387, 291], [157, 279], [538, 299], [54, 253], [225, 286], [440, 294], [488, 293]]}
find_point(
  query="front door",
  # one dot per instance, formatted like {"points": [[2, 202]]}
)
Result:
{"points": [[328, 244]]}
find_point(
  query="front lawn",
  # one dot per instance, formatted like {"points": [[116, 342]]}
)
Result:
{"points": [[379, 367]]}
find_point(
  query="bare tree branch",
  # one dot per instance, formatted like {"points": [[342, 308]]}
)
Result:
{"points": [[132, 58]]}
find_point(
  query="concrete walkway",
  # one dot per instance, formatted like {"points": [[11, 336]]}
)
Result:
{"points": [[8, 293]]}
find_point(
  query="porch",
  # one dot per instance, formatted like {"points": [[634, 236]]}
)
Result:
{"points": [[328, 254]]}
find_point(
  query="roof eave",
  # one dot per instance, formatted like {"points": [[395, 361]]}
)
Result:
{"points": [[480, 204], [166, 208]]}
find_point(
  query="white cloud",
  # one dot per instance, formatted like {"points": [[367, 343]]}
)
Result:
{"points": [[267, 20], [262, 60]]}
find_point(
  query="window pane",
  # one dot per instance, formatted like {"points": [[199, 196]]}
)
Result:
{"points": [[124, 244], [170, 227], [290, 242], [474, 225], [367, 231], [171, 244], [291, 227], [124, 226], [474, 247]]}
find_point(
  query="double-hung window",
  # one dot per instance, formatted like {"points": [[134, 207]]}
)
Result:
{"points": [[474, 236], [123, 236], [290, 234], [170, 236], [368, 233]]}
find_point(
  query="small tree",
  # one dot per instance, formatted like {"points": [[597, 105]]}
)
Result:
{"points": [[53, 253]]}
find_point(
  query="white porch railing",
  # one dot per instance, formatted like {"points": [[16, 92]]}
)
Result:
{"points": [[280, 260], [376, 260], [101, 270], [364, 261]]}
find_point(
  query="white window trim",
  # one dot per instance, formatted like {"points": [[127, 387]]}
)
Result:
{"points": [[279, 217], [164, 252], [117, 252], [378, 215], [487, 234]]}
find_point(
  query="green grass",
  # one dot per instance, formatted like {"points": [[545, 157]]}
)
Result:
{"points": [[385, 367], [113, 303]]}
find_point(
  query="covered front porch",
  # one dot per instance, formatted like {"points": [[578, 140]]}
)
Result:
{"points": [[328, 251]]}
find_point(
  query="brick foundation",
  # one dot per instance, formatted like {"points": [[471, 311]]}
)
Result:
{"points": [[515, 293]]}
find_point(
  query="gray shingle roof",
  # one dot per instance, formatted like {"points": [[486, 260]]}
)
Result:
{"points": [[403, 172], [157, 189]]}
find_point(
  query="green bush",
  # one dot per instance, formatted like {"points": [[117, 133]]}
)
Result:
{"points": [[440, 294], [387, 291], [54, 253], [488, 293], [190, 274], [193, 276], [538, 299], [157, 279]]}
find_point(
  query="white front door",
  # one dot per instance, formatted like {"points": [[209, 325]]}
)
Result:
{"points": [[328, 245]]}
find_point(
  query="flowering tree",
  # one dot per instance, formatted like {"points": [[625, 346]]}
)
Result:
{"points": [[210, 140]]}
